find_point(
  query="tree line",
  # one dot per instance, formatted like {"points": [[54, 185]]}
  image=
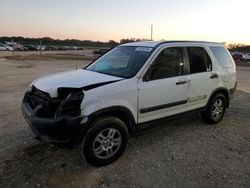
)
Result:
{"points": [[238, 47]]}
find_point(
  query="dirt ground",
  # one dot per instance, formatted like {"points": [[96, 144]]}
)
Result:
{"points": [[181, 153]]}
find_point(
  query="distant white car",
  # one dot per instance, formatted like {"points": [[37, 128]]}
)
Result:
{"points": [[4, 47], [247, 57], [42, 48]]}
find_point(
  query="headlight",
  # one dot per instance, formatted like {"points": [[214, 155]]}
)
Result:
{"points": [[71, 106]]}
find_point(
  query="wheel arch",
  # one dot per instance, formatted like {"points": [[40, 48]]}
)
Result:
{"points": [[123, 113], [223, 91]]}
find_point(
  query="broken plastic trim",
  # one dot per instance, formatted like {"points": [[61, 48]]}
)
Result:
{"points": [[71, 106], [67, 104], [72, 99]]}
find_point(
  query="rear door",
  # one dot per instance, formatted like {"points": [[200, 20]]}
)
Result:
{"points": [[203, 77]]}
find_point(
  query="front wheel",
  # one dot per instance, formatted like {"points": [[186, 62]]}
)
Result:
{"points": [[105, 141], [216, 109]]}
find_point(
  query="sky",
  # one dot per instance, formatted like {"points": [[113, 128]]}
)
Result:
{"points": [[103, 20]]}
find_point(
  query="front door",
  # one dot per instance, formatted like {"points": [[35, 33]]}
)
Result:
{"points": [[163, 89]]}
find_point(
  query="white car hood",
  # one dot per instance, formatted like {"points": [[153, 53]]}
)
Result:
{"points": [[71, 79]]}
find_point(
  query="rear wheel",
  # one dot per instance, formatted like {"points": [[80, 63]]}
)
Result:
{"points": [[216, 109], [105, 141]]}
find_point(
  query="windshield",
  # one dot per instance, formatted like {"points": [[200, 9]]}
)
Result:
{"points": [[122, 61]]}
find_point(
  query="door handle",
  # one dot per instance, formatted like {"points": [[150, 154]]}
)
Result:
{"points": [[181, 82], [213, 76]]}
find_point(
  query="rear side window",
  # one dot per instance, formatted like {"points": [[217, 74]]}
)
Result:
{"points": [[199, 60], [222, 56]]}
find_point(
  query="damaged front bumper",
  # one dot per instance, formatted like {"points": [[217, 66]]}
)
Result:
{"points": [[50, 129]]}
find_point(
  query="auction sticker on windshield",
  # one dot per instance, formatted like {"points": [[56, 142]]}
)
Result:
{"points": [[143, 49]]}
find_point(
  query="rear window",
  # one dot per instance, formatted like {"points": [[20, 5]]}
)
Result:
{"points": [[222, 56]]}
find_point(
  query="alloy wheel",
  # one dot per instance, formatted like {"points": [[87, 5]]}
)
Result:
{"points": [[107, 143]]}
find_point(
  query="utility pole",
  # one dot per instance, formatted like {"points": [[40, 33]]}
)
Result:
{"points": [[77, 38], [77, 33], [152, 28], [13, 48]]}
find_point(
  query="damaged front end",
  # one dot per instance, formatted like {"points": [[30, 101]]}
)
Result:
{"points": [[53, 120]]}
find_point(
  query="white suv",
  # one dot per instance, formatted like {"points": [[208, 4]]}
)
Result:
{"points": [[129, 86]]}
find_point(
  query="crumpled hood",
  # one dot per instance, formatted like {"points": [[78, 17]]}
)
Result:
{"points": [[71, 79]]}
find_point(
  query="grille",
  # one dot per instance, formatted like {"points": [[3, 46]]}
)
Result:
{"points": [[49, 105], [54, 107]]}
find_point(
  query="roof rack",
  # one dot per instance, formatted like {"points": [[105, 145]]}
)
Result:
{"points": [[183, 41]]}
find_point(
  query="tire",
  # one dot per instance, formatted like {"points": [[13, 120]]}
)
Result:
{"points": [[105, 141], [215, 110]]}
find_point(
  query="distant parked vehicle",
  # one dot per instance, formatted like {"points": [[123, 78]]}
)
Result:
{"points": [[4, 47], [29, 47], [237, 56], [76, 48], [81, 48], [101, 51], [52, 48], [61, 48], [14, 45], [42, 48], [247, 57]]}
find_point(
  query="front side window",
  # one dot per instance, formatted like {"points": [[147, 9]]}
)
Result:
{"points": [[199, 60], [122, 61], [169, 63], [222, 56]]}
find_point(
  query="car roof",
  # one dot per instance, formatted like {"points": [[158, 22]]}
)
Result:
{"points": [[155, 44]]}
